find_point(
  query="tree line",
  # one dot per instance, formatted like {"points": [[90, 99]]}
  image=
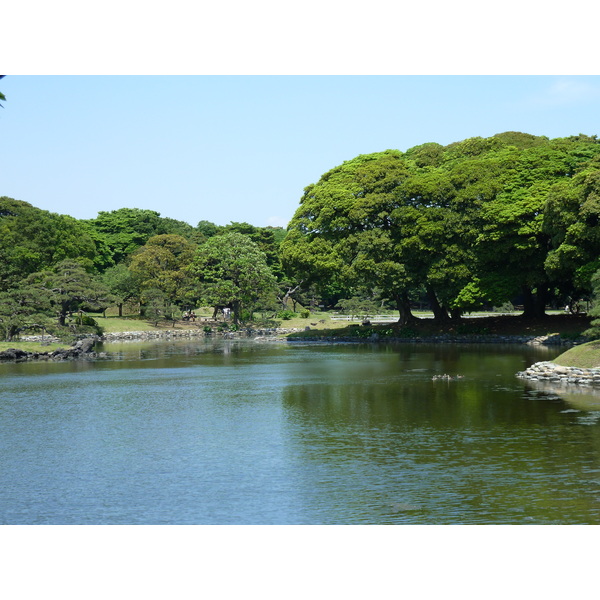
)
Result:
{"points": [[481, 222], [54, 268]]}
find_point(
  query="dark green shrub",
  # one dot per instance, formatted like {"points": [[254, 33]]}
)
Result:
{"points": [[286, 315]]}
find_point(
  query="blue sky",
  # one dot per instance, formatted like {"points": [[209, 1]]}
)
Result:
{"points": [[242, 148]]}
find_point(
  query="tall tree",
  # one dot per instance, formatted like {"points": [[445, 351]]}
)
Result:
{"points": [[464, 222], [122, 284], [162, 263], [233, 272], [68, 288], [32, 239], [343, 230], [127, 229]]}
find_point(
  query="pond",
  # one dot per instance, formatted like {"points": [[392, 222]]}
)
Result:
{"points": [[245, 432]]}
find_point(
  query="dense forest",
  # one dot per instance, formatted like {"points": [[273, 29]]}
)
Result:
{"points": [[513, 218]]}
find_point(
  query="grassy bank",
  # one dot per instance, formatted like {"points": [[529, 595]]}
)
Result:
{"points": [[31, 346], [586, 356]]}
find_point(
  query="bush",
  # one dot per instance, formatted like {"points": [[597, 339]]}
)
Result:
{"points": [[305, 314], [286, 315], [86, 325]]}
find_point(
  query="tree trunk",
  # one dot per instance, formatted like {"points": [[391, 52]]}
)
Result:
{"points": [[541, 299], [528, 306], [403, 307], [120, 307], [236, 307], [439, 312], [534, 305], [455, 314]]}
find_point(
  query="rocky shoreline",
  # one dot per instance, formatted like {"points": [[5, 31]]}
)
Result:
{"points": [[84, 349], [81, 349], [191, 333], [545, 340], [550, 372]]}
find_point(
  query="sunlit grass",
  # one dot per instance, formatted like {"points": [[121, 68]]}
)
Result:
{"points": [[586, 356], [31, 346]]}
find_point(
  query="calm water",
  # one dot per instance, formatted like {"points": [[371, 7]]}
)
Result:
{"points": [[242, 432]]}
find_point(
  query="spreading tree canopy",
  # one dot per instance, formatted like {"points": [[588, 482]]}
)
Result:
{"points": [[32, 239], [233, 272], [162, 263], [482, 220]]}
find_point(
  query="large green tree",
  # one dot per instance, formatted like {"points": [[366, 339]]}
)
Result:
{"points": [[127, 229], [122, 284], [32, 239], [23, 308], [162, 264], [233, 272], [67, 288], [572, 222], [464, 222]]}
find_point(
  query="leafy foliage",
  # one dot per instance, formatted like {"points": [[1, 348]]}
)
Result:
{"points": [[485, 220], [32, 239], [233, 272], [67, 287], [162, 264]]}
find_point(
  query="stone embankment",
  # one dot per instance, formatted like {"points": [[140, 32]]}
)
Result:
{"points": [[84, 348], [542, 340], [552, 373], [140, 336], [81, 349]]}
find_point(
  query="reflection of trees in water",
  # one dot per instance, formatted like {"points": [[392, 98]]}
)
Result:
{"points": [[416, 401], [495, 455], [161, 349]]}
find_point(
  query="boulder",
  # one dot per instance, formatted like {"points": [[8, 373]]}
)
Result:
{"points": [[13, 354]]}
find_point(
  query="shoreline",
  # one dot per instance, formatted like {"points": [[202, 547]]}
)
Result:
{"points": [[84, 349], [550, 372], [554, 339]]}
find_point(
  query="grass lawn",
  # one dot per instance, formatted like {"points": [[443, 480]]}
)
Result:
{"points": [[586, 356], [116, 324], [31, 346]]}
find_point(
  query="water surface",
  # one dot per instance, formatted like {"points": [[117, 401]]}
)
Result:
{"points": [[240, 432]]}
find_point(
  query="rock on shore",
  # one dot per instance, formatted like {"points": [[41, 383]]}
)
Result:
{"points": [[81, 349], [551, 372], [85, 348]]}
